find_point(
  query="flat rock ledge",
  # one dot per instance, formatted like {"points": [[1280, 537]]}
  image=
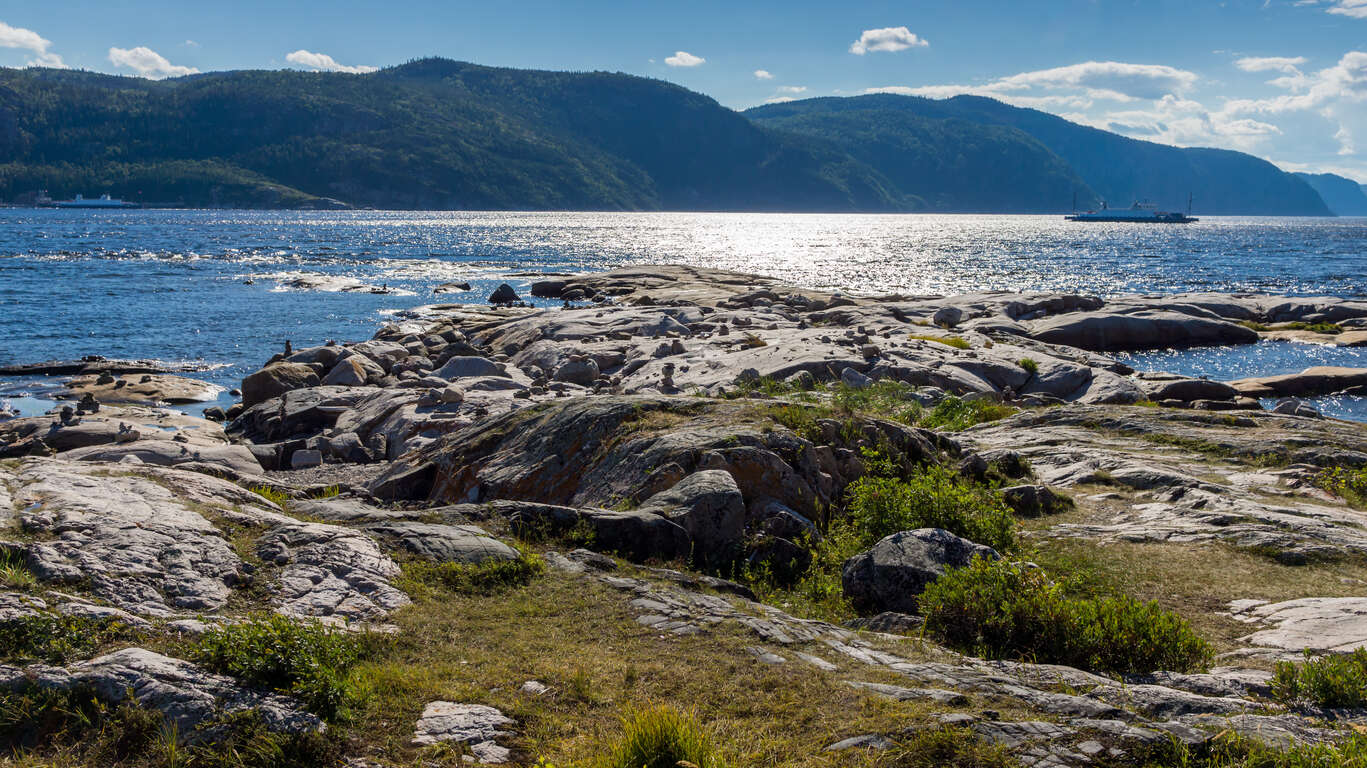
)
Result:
{"points": [[479, 728]]}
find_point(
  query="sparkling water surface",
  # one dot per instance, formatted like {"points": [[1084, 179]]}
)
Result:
{"points": [[206, 286]]}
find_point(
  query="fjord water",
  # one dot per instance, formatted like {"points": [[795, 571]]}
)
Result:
{"points": [[206, 286]]}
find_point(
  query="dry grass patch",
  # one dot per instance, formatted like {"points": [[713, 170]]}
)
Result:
{"points": [[581, 639], [1195, 580]]}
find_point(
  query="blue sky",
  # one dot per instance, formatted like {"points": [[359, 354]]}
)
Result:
{"points": [[1282, 79]]}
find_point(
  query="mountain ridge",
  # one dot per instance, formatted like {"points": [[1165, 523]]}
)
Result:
{"points": [[441, 134]]}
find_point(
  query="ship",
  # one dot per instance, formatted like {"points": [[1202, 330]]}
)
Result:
{"points": [[1139, 213], [103, 201]]}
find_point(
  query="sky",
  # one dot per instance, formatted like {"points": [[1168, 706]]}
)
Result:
{"points": [[1282, 79]]}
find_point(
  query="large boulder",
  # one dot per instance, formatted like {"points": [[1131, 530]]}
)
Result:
{"points": [[169, 453], [1147, 329], [355, 371], [709, 506], [275, 380], [468, 367], [890, 575]]}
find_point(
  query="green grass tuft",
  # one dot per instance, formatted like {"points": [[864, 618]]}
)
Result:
{"points": [[953, 414], [273, 495], [1348, 484], [663, 737], [1029, 365], [946, 748]]}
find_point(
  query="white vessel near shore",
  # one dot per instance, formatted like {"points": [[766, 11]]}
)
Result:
{"points": [[103, 201]]}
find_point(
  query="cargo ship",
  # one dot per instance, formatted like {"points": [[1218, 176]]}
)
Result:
{"points": [[1139, 213]]}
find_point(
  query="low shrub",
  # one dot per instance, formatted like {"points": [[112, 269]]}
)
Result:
{"points": [[933, 497], [1029, 365], [304, 659], [887, 398], [958, 342], [953, 414], [56, 639], [1333, 680], [1008, 610], [73, 727], [817, 592], [484, 578], [663, 737], [1329, 329], [1348, 484]]}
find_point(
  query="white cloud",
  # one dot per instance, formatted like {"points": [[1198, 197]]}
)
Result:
{"points": [[1287, 64], [1116, 80], [1346, 81], [324, 62], [684, 59], [886, 39], [763, 74], [792, 88], [147, 63], [28, 40], [1355, 9]]}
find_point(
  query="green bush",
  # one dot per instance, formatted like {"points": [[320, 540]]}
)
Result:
{"points": [[886, 398], [1007, 610], [1332, 680], [56, 639], [484, 578], [1348, 484], [933, 497], [304, 659], [1029, 365], [953, 414], [663, 737]]}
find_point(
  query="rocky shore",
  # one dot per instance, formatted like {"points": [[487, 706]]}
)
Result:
{"points": [[679, 445]]}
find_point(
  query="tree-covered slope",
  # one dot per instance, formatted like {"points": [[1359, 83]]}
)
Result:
{"points": [[432, 134], [1344, 197], [954, 165], [1119, 169]]}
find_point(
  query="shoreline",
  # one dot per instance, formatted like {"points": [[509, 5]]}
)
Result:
{"points": [[663, 457]]}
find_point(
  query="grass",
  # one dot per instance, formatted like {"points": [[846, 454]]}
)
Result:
{"points": [[953, 414], [487, 578], [56, 639], [303, 659], [957, 342], [1196, 580], [997, 609], [1329, 329], [1029, 365], [933, 497], [816, 593], [15, 574], [581, 639], [663, 737], [946, 748], [273, 495], [1332, 680]]}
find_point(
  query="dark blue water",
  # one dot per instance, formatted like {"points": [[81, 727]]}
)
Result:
{"points": [[209, 286]]}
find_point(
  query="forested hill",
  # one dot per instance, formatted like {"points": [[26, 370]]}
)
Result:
{"points": [[1119, 169], [430, 134], [441, 134]]}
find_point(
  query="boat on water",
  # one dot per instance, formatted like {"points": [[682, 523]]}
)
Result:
{"points": [[103, 201], [1139, 213]]}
